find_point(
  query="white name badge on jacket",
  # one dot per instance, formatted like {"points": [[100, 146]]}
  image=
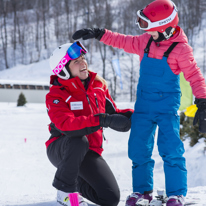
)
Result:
{"points": [[76, 105]]}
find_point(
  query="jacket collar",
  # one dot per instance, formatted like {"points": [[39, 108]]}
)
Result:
{"points": [[73, 84], [179, 36]]}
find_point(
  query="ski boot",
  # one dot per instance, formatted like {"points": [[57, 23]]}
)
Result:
{"points": [[69, 199], [139, 199], [175, 201]]}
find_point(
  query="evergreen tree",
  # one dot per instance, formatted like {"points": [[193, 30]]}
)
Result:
{"points": [[188, 130], [21, 100]]}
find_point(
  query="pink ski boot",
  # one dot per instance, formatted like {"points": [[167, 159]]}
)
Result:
{"points": [[136, 196]]}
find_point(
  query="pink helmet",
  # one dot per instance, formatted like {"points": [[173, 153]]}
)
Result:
{"points": [[158, 16]]}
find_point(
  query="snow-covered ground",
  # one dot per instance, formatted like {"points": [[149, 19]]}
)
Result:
{"points": [[26, 174]]}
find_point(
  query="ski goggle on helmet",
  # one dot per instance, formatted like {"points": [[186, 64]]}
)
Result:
{"points": [[63, 54], [158, 16]]}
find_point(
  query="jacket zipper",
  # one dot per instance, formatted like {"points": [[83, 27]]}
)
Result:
{"points": [[93, 111], [89, 103], [96, 101], [104, 138]]}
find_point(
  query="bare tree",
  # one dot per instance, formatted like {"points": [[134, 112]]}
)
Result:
{"points": [[4, 34], [25, 24], [14, 8], [68, 10], [108, 21], [44, 11], [204, 52], [190, 14]]}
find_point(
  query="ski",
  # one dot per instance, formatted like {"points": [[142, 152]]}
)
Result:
{"points": [[160, 200], [190, 203]]}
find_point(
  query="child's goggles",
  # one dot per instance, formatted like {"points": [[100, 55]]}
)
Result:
{"points": [[73, 52], [145, 24]]}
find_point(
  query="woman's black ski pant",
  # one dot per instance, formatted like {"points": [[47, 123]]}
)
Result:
{"points": [[82, 170]]}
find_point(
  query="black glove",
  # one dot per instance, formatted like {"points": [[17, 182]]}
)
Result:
{"points": [[127, 114], [200, 115], [117, 122], [89, 33]]}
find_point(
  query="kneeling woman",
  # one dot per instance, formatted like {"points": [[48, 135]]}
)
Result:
{"points": [[79, 106]]}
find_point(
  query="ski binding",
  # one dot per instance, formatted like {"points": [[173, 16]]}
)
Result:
{"points": [[161, 198]]}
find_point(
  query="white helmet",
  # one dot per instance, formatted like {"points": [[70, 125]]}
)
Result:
{"points": [[62, 55]]}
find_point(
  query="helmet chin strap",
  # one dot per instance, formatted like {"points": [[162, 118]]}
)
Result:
{"points": [[67, 68], [83, 80], [160, 38], [165, 35]]}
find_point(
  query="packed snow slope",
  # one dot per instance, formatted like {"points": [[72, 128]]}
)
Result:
{"points": [[26, 174]]}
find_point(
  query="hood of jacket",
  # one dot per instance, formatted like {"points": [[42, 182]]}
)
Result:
{"points": [[179, 36]]}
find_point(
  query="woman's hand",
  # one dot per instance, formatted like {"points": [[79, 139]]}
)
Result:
{"points": [[117, 122]]}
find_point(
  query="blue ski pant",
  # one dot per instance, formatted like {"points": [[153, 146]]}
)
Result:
{"points": [[170, 147]]}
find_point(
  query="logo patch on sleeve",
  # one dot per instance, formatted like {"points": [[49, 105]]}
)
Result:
{"points": [[56, 101]]}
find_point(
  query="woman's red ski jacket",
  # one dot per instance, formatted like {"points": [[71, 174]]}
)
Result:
{"points": [[71, 109]]}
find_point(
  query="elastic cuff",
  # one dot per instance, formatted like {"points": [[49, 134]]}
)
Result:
{"points": [[64, 187], [102, 31], [95, 120], [148, 192]]}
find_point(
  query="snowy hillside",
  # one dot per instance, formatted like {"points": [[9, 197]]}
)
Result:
{"points": [[26, 174], [36, 72]]}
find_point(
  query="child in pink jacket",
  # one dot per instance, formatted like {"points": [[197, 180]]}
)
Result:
{"points": [[164, 53]]}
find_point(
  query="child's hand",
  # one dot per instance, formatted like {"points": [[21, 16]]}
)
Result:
{"points": [[89, 33], [200, 115]]}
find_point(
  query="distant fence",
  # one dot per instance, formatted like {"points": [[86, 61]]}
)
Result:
{"points": [[34, 93]]}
